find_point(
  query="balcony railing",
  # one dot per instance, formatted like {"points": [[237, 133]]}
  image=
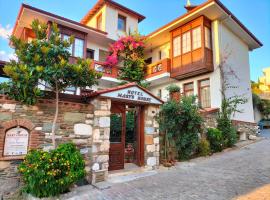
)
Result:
{"points": [[105, 70], [160, 67]]}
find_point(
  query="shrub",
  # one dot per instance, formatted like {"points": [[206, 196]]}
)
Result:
{"points": [[51, 173], [173, 88], [228, 131], [181, 123], [214, 136], [204, 147]]}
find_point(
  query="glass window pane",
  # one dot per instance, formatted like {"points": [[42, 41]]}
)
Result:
{"points": [[116, 128], [121, 23], [66, 37], [78, 48], [177, 46], [196, 37], [205, 98], [207, 37], [188, 89], [186, 42]]}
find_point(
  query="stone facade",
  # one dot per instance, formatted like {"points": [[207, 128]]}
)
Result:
{"points": [[75, 124], [151, 130], [100, 141]]}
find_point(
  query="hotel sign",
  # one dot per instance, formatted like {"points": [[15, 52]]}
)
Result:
{"points": [[135, 94], [16, 142]]}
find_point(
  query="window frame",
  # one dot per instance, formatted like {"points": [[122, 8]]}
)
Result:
{"points": [[74, 47], [99, 20], [190, 42], [199, 41], [124, 18], [206, 38], [188, 90], [179, 48], [201, 87]]}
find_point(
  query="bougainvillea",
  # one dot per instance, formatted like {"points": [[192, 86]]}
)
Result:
{"points": [[130, 51]]}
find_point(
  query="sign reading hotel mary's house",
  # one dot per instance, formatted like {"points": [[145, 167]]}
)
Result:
{"points": [[16, 142]]}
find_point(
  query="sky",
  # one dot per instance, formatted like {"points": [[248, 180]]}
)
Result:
{"points": [[254, 14]]}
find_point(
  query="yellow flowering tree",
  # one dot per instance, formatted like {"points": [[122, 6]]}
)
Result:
{"points": [[45, 60]]}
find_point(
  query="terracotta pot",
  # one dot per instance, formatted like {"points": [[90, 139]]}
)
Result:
{"points": [[175, 96]]}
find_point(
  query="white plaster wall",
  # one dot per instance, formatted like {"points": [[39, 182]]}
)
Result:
{"points": [[96, 47], [111, 23], [154, 53], [237, 54]]}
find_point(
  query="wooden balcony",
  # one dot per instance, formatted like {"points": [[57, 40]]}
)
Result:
{"points": [[158, 68], [107, 71]]}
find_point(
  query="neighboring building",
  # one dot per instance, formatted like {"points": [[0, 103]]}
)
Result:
{"points": [[187, 52], [264, 84]]}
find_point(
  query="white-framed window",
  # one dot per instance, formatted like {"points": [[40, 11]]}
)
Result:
{"points": [[207, 34], [204, 93], [196, 38], [177, 46], [66, 37], [78, 47], [186, 46]]}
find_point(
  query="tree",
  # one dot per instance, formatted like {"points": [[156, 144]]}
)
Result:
{"points": [[45, 60], [130, 50]]}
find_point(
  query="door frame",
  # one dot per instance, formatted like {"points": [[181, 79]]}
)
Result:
{"points": [[115, 105]]}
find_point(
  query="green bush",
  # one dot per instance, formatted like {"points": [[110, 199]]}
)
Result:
{"points": [[181, 123], [215, 138], [228, 131], [204, 147], [51, 173], [173, 88]]}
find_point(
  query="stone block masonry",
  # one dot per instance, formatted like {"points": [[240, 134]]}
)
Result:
{"points": [[75, 124]]}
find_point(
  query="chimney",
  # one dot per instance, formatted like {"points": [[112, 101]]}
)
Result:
{"points": [[189, 6]]}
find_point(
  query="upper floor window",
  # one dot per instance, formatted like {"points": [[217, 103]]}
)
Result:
{"points": [[204, 93], [196, 38], [66, 37], [186, 46], [90, 53], [177, 46], [207, 38], [121, 23], [78, 47], [99, 22], [189, 89], [103, 55]]}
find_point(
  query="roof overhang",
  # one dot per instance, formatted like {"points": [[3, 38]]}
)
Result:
{"points": [[28, 13], [111, 3], [130, 93], [213, 10]]}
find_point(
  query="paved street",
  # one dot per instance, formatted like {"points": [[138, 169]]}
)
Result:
{"points": [[223, 176]]}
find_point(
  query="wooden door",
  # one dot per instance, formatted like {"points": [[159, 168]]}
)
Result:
{"points": [[117, 137]]}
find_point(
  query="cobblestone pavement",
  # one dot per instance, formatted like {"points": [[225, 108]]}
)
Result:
{"points": [[223, 176]]}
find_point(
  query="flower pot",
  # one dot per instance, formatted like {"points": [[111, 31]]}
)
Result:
{"points": [[175, 96]]}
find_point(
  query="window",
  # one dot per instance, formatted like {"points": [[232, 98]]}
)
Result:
{"points": [[204, 93], [189, 89], [196, 38], [176, 46], [148, 61], [66, 37], [78, 47], [90, 53], [121, 23], [99, 22], [207, 38], [186, 42], [159, 55], [103, 55], [159, 93]]}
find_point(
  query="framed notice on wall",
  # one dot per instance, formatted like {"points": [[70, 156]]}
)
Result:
{"points": [[16, 142]]}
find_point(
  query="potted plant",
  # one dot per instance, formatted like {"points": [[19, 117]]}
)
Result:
{"points": [[174, 91]]}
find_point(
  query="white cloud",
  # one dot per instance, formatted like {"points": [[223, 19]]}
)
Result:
{"points": [[7, 56], [6, 31]]}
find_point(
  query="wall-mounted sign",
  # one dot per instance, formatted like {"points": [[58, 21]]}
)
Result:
{"points": [[16, 142], [133, 94]]}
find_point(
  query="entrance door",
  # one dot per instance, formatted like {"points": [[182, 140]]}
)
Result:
{"points": [[117, 137]]}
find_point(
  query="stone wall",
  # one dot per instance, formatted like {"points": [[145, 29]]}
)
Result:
{"points": [[101, 143], [75, 124], [151, 130]]}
